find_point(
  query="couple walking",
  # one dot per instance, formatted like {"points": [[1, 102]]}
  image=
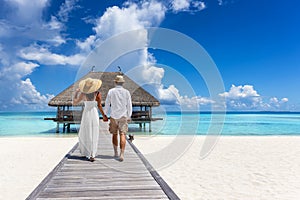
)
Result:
{"points": [[118, 101]]}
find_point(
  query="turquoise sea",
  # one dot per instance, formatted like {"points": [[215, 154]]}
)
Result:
{"points": [[173, 123]]}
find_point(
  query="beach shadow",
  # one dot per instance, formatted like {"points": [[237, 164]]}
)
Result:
{"points": [[71, 157], [105, 157], [108, 157]]}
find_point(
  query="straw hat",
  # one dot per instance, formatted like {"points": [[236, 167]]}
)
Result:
{"points": [[119, 79], [89, 85]]}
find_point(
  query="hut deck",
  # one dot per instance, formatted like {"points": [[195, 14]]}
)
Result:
{"points": [[106, 178], [74, 117]]}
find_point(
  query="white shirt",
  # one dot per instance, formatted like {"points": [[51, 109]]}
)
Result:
{"points": [[119, 100]]}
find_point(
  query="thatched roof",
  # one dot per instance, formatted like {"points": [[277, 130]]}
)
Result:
{"points": [[139, 96]]}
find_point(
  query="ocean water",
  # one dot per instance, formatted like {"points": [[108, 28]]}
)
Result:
{"points": [[173, 123], [28, 124], [242, 123]]}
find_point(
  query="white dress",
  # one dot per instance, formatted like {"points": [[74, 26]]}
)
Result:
{"points": [[89, 129]]}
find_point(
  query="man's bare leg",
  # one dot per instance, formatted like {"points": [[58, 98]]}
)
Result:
{"points": [[122, 145], [115, 144]]}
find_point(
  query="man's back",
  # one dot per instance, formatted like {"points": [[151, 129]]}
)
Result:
{"points": [[120, 101]]}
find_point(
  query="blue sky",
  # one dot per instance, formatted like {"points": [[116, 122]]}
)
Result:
{"points": [[254, 44]]}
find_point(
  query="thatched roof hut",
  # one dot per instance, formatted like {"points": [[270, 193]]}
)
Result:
{"points": [[141, 99], [139, 96]]}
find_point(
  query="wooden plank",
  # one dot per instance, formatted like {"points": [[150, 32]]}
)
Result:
{"points": [[94, 183], [100, 193], [144, 197]]}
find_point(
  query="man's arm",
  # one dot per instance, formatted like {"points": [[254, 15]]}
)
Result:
{"points": [[107, 103], [129, 106]]}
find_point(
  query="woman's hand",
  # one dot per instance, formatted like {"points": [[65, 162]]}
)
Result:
{"points": [[105, 118]]}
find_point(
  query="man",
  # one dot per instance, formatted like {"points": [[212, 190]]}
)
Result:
{"points": [[119, 101]]}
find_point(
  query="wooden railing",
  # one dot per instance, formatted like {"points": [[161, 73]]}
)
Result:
{"points": [[64, 116], [67, 117], [140, 116]]}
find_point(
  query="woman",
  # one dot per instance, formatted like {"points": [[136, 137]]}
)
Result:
{"points": [[89, 127]]}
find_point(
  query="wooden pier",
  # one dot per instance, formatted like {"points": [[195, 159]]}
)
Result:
{"points": [[106, 178]]}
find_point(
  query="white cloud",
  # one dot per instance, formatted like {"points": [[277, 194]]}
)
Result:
{"points": [[23, 24], [4, 29], [275, 102], [198, 5], [66, 8], [284, 100], [17, 70], [247, 98], [168, 95], [44, 56], [187, 5], [178, 5], [24, 21], [21, 28], [88, 44], [4, 58], [53, 24], [17, 94], [29, 97], [117, 20], [152, 74], [237, 92], [26, 12], [194, 103]]}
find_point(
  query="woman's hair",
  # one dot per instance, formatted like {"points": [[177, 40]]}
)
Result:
{"points": [[90, 96]]}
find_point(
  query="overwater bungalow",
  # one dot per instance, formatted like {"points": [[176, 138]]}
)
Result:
{"points": [[142, 101]]}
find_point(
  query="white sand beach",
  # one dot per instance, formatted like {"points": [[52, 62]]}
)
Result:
{"points": [[26, 161], [266, 167]]}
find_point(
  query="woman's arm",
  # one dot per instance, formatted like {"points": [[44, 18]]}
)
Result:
{"points": [[77, 99], [98, 99]]}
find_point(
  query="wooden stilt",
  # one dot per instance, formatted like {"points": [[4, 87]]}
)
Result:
{"points": [[150, 114], [57, 127], [68, 128]]}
